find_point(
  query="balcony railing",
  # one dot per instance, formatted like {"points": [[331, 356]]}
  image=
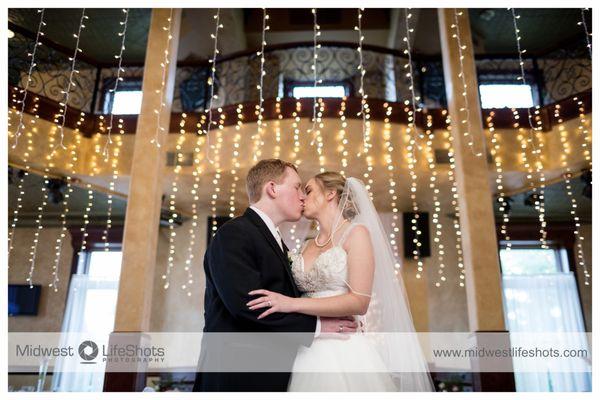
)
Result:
{"points": [[560, 74]]}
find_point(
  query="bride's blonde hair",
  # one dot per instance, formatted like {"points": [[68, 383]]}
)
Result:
{"points": [[331, 180]]}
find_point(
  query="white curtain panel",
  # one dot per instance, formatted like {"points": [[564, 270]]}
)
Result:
{"points": [[545, 303], [82, 315]]}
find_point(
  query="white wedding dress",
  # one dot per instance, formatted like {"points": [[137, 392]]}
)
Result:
{"points": [[327, 277]]}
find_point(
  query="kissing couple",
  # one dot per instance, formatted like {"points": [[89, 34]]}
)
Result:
{"points": [[311, 313]]}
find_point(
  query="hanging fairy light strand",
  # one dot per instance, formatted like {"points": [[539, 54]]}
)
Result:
{"points": [[342, 137], [261, 54], [502, 198], [436, 218], [67, 196], [361, 90], [531, 141], [466, 121], [313, 67], [588, 35], [454, 190], [412, 166], [111, 185], [409, 67], [527, 163], [584, 131], [173, 214], [234, 174], [318, 137], [277, 148], [165, 65], [32, 65], [542, 181], [36, 235], [318, 104], [293, 154], [67, 91], [118, 79], [520, 52], [61, 116], [90, 190], [218, 174], [106, 159], [296, 129], [196, 172], [572, 199], [411, 110], [389, 160], [235, 164], [211, 81], [20, 186], [115, 161], [258, 142]]}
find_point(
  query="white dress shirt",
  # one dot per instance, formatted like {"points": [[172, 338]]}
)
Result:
{"points": [[270, 224], [275, 232]]}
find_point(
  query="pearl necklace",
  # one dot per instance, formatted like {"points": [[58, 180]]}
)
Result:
{"points": [[330, 236]]}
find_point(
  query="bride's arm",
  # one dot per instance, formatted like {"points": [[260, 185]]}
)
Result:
{"points": [[360, 281]]}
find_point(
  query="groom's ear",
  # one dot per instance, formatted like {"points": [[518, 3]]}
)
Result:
{"points": [[270, 189]]}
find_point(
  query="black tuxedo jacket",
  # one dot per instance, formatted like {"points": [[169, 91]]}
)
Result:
{"points": [[244, 256]]}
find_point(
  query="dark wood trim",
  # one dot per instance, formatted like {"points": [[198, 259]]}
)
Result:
{"points": [[558, 232], [91, 124]]}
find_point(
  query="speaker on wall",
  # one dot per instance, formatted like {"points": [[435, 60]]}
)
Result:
{"points": [[409, 235]]}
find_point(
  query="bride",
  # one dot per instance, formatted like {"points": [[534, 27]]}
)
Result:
{"points": [[348, 269]]}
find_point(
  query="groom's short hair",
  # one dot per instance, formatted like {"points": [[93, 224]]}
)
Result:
{"points": [[264, 171]]}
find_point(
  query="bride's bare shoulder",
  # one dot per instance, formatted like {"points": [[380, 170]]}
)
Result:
{"points": [[358, 236]]}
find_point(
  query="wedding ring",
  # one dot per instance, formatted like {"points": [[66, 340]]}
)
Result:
{"points": [[269, 303], [341, 328]]}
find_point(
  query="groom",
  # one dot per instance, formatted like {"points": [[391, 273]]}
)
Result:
{"points": [[248, 253]]}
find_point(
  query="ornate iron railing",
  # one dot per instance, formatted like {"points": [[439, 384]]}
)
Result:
{"points": [[556, 76]]}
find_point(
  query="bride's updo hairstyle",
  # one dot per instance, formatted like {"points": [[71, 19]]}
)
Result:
{"points": [[331, 180]]}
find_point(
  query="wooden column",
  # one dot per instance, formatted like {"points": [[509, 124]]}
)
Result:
{"points": [[145, 190], [477, 224]]}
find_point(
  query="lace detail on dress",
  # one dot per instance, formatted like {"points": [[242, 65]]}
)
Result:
{"points": [[328, 274]]}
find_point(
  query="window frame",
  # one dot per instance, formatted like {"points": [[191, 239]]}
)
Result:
{"points": [[532, 87], [289, 85], [94, 241], [130, 85], [560, 253], [84, 266]]}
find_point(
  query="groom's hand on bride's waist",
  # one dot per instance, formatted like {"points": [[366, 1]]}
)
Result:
{"points": [[338, 328]]}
